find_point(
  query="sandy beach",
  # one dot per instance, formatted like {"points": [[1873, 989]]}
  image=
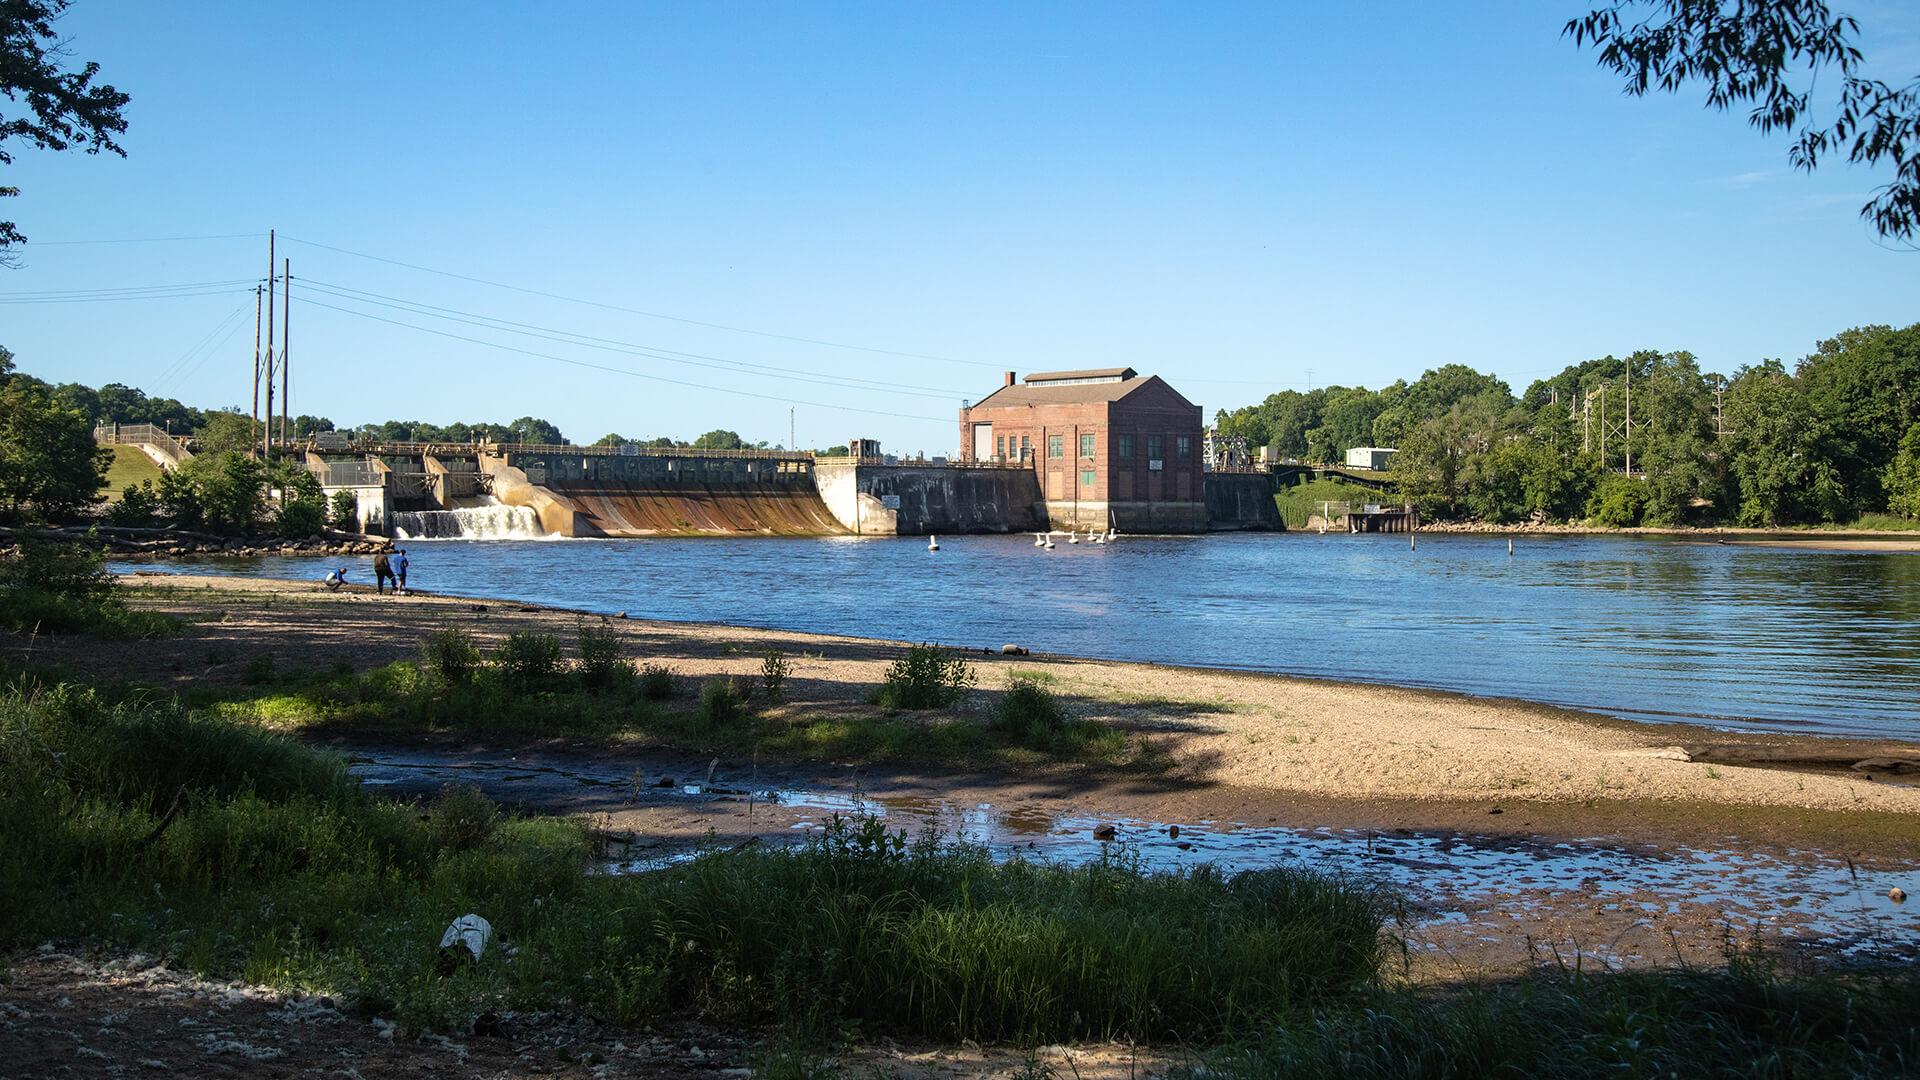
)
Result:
{"points": [[1380, 751]]}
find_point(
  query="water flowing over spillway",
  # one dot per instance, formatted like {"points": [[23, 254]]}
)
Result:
{"points": [[486, 521]]}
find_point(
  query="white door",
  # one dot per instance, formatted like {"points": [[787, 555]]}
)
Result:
{"points": [[983, 442]]}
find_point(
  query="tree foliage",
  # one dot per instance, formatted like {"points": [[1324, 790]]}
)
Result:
{"points": [[49, 466], [1753, 54], [65, 109]]}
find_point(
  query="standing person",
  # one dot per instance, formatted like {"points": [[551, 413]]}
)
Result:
{"points": [[400, 571], [382, 573]]}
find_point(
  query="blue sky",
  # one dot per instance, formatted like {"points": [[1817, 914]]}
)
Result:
{"points": [[1241, 198]]}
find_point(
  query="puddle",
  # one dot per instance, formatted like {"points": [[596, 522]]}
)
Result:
{"points": [[1458, 886]]}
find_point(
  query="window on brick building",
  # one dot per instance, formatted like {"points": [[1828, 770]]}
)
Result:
{"points": [[1086, 445], [1154, 445], [1000, 448], [1183, 446], [1026, 448], [1123, 445], [1056, 446], [1086, 478]]}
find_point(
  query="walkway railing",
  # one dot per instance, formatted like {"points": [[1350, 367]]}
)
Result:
{"points": [[142, 435]]}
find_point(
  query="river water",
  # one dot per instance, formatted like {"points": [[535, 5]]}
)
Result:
{"points": [[1740, 636]]}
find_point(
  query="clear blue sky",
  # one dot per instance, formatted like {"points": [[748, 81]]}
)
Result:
{"points": [[1231, 196]]}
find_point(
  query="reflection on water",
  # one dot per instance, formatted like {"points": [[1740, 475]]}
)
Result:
{"points": [[1744, 637]]}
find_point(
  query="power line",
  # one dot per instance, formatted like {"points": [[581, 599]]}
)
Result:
{"points": [[144, 240], [637, 311], [626, 347], [132, 296], [622, 371], [179, 364], [39, 293]]}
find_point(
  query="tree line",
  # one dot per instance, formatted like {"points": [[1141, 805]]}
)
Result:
{"points": [[1833, 438]]}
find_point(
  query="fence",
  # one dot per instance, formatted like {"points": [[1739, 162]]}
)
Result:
{"points": [[142, 435], [336, 474]]}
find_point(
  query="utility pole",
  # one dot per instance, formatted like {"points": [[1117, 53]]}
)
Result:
{"points": [[255, 430], [266, 448], [286, 329], [1629, 416], [793, 442]]}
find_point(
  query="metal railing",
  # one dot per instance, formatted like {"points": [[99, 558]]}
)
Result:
{"points": [[900, 462], [142, 435], [348, 473]]}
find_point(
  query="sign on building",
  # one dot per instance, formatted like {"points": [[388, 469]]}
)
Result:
{"points": [[890, 502]]}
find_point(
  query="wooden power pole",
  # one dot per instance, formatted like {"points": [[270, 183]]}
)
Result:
{"points": [[255, 430], [286, 330], [266, 447]]}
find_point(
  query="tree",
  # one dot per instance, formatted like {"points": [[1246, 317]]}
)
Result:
{"points": [[1780, 476], [1673, 440], [227, 431], [529, 429], [49, 465], [344, 511], [1863, 391], [719, 440], [65, 108], [1903, 476], [1749, 53], [221, 488]]}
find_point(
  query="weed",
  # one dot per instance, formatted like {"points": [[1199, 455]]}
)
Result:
{"points": [[927, 677], [451, 655], [657, 682], [721, 703], [773, 675], [601, 665], [462, 818], [528, 659], [1028, 711]]}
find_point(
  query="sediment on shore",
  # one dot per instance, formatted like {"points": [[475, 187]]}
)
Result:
{"points": [[127, 542], [1283, 736]]}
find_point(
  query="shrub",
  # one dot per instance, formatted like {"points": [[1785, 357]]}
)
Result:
{"points": [[601, 664], [721, 702], [303, 517], [137, 506], [773, 675], [343, 511], [1619, 501], [462, 818], [528, 658], [927, 677], [1028, 711], [452, 655], [656, 682], [61, 588]]}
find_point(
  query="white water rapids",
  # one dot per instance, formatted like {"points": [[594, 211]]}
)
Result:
{"points": [[484, 521]]}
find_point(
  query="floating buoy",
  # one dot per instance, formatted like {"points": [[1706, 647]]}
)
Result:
{"points": [[1049, 544], [1072, 537], [1039, 540], [1509, 547], [933, 543]]}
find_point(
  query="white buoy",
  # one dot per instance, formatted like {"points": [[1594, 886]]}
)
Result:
{"points": [[1098, 538], [1039, 540], [1509, 547], [1111, 533], [933, 543], [1072, 537], [1049, 541]]}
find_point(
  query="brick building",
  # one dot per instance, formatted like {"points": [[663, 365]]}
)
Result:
{"points": [[1108, 447]]}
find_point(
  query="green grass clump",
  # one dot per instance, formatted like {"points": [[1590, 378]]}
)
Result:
{"points": [[64, 588], [1745, 1020], [721, 703], [927, 677], [601, 665], [656, 682], [528, 658], [451, 655], [239, 853]]}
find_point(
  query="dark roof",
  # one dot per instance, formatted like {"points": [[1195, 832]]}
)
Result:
{"points": [[1069, 393], [1083, 373]]}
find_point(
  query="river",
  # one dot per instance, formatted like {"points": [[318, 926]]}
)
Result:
{"points": [[1734, 635]]}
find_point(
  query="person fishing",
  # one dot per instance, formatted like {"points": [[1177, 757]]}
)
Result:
{"points": [[383, 573], [400, 570]]}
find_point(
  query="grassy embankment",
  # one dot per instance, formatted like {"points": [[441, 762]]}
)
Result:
{"points": [[130, 466], [239, 852], [1297, 503], [63, 588]]}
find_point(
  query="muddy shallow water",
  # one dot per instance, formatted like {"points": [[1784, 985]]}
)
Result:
{"points": [[1473, 899]]}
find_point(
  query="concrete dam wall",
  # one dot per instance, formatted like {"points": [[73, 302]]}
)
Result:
{"points": [[664, 495], [1242, 501], [916, 500]]}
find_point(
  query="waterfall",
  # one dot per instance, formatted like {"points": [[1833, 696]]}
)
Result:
{"points": [[484, 521]]}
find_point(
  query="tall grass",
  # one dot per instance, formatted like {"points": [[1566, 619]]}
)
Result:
{"points": [[243, 853], [64, 588]]}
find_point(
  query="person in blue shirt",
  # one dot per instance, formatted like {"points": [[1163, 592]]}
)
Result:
{"points": [[400, 570]]}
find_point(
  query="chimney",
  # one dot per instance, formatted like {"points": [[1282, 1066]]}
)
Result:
{"points": [[1009, 381]]}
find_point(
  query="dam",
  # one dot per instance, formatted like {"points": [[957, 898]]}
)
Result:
{"points": [[488, 490]]}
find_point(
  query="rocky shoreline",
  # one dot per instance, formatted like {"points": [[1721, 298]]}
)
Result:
{"points": [[123, 542]]}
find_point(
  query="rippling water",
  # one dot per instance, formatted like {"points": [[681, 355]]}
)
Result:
{"points": [[1734, 635]]}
